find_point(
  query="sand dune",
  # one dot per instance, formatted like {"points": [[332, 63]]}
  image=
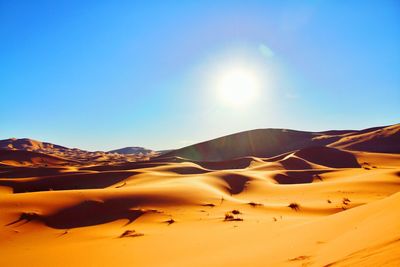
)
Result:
{"points": [[272, 142], [129, 154], [133, 150], [292, 201], [385, 140]]}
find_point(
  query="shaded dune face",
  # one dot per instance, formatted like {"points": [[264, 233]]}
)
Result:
{"points": [[329, 157], [21, 172], [298, 177], [87, 213], [236, 182], [66, 182]]}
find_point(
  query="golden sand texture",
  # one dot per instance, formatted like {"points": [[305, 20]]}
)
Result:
{"points": [[314, 206]]}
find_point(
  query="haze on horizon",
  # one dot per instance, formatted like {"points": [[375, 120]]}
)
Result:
{"points": [[165, 74]]}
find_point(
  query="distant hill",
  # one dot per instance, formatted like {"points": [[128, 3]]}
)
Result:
{"points": [[271, 142], [132, 150], [28, 145], [75, 154]]}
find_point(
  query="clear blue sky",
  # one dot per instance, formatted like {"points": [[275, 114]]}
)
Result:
{"points": [[100, 75]]}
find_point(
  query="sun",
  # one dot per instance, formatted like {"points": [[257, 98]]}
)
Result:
{"points": [[238, 85]]}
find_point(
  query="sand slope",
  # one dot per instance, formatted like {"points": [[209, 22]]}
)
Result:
{"points": [[314, 206], [272, 142]]}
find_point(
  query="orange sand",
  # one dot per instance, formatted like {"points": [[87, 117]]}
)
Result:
{"points": [[175, 212]]}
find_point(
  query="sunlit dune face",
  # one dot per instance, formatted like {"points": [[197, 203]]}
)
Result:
{"points": [[238, 85]]}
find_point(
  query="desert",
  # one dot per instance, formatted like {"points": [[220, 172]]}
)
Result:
{"points": [[229, 133], [307, 204]]}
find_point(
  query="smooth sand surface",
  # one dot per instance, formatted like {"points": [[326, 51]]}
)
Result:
{"points": [[318, 206]]}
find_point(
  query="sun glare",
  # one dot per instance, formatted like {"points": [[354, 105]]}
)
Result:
{"points": [[238, 85]]}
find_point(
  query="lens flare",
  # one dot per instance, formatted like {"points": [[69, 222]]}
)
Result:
{"points": [[238, 85]]}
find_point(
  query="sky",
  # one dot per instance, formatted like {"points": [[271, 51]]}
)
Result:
{"points": [[101, 75]]}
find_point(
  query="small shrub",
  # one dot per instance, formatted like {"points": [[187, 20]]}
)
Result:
{"points": [[294, 206], [64, 233], [300, 258], [254, 204], [346, 201], [366, 165], [170, 221], [130, 233], [230, 217]]}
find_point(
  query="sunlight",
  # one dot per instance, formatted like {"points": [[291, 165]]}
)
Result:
{"points": [[238, 85]]}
